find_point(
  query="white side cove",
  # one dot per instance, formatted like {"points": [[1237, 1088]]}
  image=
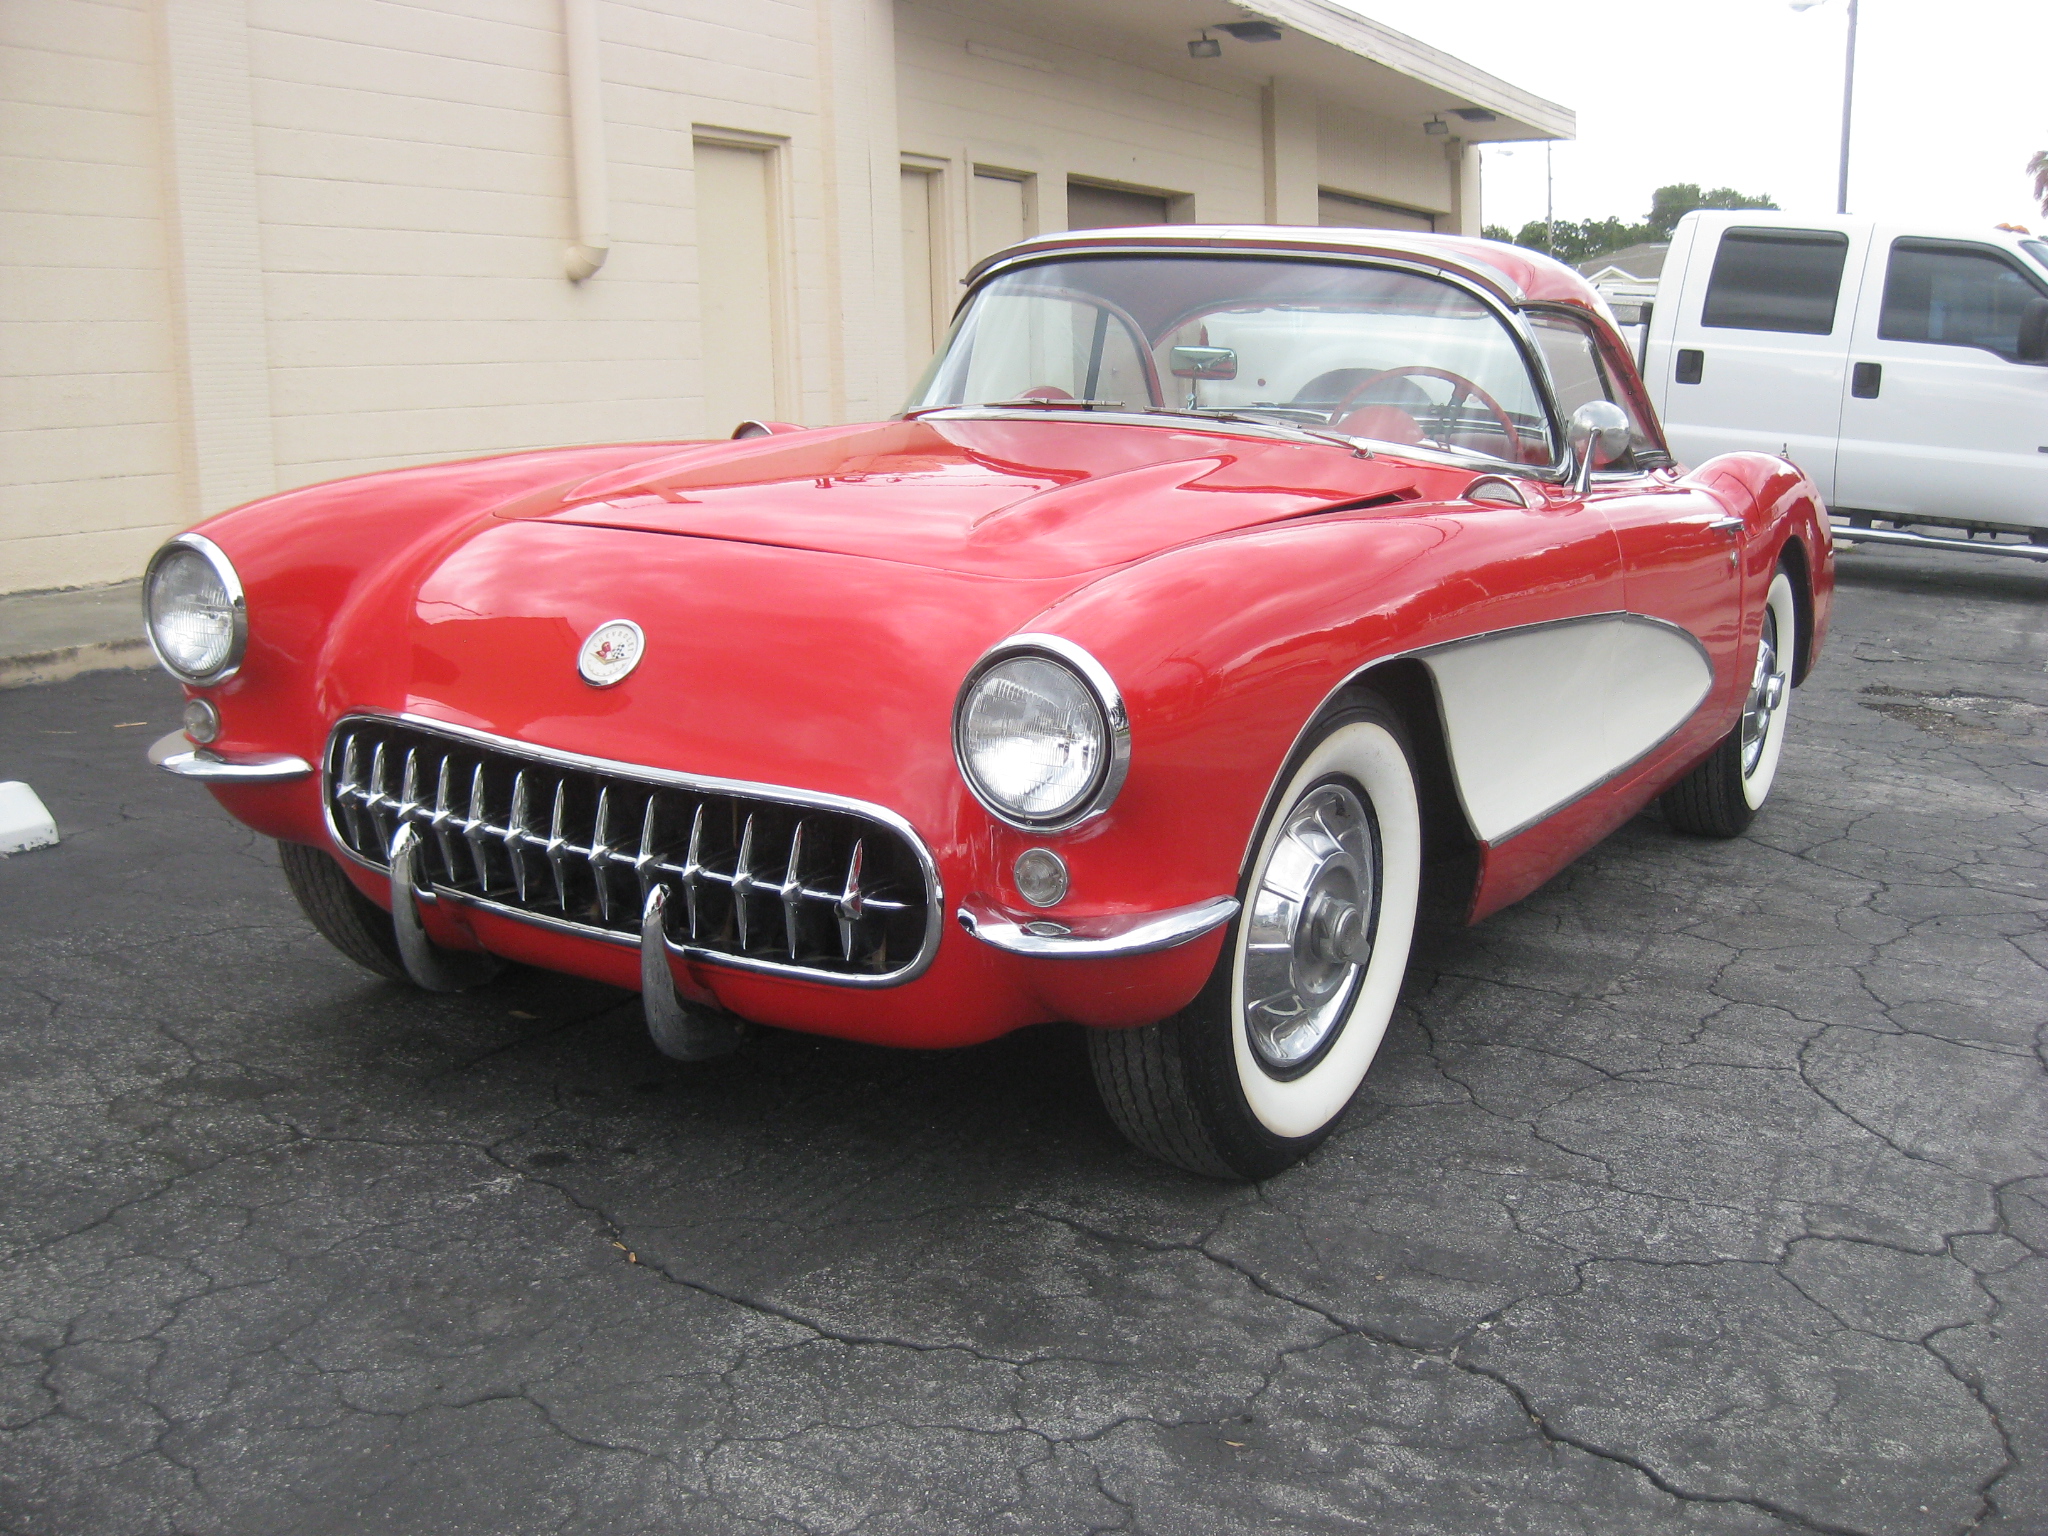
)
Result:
{"points": [[1537, 716]]}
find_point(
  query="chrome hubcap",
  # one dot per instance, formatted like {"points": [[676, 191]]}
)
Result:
{"points": [[1766, 695], [1310, 928]]}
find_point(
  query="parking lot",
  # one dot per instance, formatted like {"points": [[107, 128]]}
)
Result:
{"points": [[1705, 1191]]}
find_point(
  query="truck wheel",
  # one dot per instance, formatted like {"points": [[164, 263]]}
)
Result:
{"points": [[1252, 1074], [1722, 795], [344, 916]]}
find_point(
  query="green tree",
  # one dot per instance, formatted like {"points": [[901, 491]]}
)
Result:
{"points": [[2038, 169], [1580, 240], [1670, 204]]}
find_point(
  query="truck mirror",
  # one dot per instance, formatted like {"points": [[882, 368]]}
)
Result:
{"points": [[2033, 338], [1203, 363], [1599, 434]]}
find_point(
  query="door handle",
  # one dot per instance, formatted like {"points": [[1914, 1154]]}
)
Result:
{"points": [[1691, 361], [1726, 525], [1865, 379]]}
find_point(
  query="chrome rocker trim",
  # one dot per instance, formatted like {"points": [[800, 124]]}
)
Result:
{"points": [[176, 754], [1101, 938]]}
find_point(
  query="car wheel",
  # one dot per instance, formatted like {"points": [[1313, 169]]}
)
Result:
{"points": [[1722, 795], [344, 916], [1254, 1073]]}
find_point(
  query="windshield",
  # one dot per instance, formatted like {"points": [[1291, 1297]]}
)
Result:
{"points": [[1371, 353]]}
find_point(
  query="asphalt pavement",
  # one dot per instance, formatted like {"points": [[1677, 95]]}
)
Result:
{"points": [[1706, 1191]]}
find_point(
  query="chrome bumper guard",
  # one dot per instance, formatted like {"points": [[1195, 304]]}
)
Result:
{"points": [[176, 754], [1100, 938]]}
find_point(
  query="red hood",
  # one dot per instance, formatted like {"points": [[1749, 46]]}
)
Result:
{"points": [[1018, 498]]}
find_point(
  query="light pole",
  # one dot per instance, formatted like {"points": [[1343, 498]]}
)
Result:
{"points": [[1848, 97]]}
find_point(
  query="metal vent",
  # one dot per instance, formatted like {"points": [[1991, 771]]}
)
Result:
{"points": [[759, 878]]}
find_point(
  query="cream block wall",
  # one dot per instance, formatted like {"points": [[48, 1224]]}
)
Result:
{"points": [[89, 442]]}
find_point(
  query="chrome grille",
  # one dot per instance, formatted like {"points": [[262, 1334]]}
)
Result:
{"points": [[756, 881]]}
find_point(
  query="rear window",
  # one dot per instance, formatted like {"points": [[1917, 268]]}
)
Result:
{"points": [[1955, 295], [1776, 280]]}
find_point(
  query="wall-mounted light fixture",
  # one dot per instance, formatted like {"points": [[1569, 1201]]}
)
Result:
{"points": [[1436, 125], [1205, 47], [1251, 31]]}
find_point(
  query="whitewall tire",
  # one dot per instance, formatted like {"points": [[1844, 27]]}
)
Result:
{"points": [[1721, 796], [1256, 1071]]}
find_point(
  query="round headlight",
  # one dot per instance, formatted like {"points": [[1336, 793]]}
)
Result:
{"points": [[1041, 737], [192, 602]]}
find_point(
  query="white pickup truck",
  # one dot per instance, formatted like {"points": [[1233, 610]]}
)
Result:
{"points": [[1904, 369]]}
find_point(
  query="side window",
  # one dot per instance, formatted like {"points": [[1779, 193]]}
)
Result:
{"points": [[1954, 295], [1776, 280], [1579, 373]]}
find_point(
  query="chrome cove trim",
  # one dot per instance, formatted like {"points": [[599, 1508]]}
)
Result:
{"points": [[1101, 938], [176, 754], [664, 778], [216, 557], [1848, 533], [1115, 718]]}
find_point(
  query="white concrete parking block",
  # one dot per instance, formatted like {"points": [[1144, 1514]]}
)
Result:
{"points": [[24, 821]]}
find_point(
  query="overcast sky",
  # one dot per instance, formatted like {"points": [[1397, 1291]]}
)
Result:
{"points": [[1951, 99]]}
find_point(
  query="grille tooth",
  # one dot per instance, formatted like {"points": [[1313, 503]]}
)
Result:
{"points": [[444, 813], [559, 848], [348, 787], [517, 829], [600, 853], [763, 881], [476, 828], [851, 904]]}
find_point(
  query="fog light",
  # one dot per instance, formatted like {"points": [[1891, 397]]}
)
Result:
{"points": [[202, 721], [1041, 877]]}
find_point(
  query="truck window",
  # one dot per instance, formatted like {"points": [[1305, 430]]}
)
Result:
{"points": [[1776, 280], [1955, 295]]}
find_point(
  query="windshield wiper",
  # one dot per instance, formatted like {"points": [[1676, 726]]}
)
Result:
{"points": [[1201, 413], [1034, 403]]}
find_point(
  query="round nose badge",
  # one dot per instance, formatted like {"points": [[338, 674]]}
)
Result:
{"points": [[613, 650]]}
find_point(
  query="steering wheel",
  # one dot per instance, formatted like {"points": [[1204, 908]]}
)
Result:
{"points": [[1460, 388]]}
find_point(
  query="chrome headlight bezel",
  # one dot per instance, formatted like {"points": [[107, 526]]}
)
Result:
{"points": [[1095, 680], [238, 608]]}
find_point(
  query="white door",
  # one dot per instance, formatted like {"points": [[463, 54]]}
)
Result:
{"points": [[1941, 420], [997, 214], [738, 268], [1759, 350], [923, 320]]}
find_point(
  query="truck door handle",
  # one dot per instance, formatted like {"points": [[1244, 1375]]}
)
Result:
{"points": [[1690, 361], [1726, 525], [1865, 380]]}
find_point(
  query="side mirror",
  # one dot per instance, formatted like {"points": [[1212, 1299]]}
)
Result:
{"points": [[1598, 435], [2033, 339], [1203, 363]]}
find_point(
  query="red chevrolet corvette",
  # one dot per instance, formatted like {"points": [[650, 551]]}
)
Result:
{"points": [[1220, 592]]}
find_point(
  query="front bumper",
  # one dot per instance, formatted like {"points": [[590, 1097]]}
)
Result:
{"points": [[533, 896]]}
